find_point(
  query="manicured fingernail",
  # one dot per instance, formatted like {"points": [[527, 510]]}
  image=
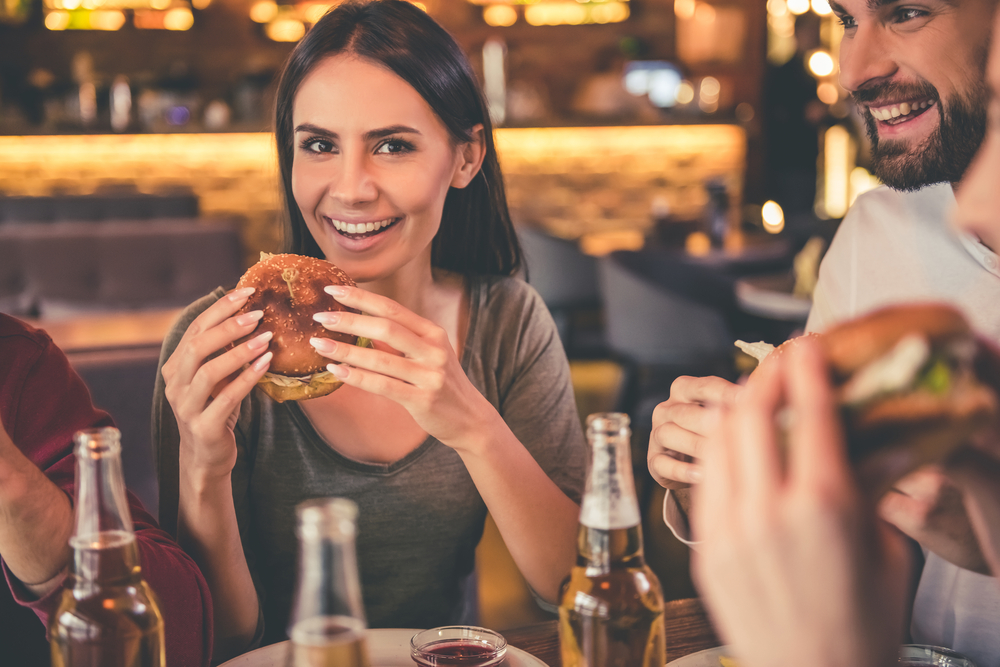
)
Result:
{"points": [[696, 475], [336, 290], [260, 341], [241, 293], [246, 319], [264, 360], [339, 370], [327, 319], [324, 345]]}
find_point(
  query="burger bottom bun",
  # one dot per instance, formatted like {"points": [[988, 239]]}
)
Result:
{"points": [[900, 434], [298, 392]]}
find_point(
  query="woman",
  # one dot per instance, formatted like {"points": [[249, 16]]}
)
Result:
{"points": [[465, 405]]}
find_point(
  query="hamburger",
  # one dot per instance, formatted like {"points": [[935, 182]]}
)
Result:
{"points": [[289, 289], [907, 385]]}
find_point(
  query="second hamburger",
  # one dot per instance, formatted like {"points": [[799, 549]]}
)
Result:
{"points": [[289, 290], [907, 385]]}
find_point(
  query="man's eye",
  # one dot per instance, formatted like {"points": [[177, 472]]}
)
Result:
{"points": [[905, 14]]}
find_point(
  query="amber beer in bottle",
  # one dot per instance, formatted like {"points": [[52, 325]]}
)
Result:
{"points": [[327, 626], [108, 616], [611, 605]]}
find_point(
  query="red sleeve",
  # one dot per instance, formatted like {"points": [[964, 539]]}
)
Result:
{"points": [[42, 403]]}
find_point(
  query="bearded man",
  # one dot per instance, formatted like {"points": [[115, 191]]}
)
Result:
{"points": [[917, 72]]}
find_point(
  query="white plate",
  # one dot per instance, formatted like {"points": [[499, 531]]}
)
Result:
{"points": [[707, 658], [386, 648]]}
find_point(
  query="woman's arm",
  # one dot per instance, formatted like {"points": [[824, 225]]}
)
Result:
{"points": [[537, 520], [204, 390], [208, 531]]}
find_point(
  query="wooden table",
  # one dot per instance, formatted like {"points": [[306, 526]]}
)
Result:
{"points": [[688, 631]]}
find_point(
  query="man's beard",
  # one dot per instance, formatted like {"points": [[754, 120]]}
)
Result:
{"points": [[941, 158]]}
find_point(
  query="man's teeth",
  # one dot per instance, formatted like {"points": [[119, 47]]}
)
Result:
{"points": [[360, 227], [895, 111]]}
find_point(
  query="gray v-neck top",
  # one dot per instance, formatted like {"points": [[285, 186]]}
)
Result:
{"points": [[420, 517]]}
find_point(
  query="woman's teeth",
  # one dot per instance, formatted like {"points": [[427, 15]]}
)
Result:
{"points": [[361, 227], [897, 110]]}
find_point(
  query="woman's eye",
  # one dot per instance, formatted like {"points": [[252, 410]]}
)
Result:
{"points": [[317, 145], [394, 146], [847, 21]]}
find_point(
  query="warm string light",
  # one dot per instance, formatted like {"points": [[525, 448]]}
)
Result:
{"points": [[821, 63], [773, 217], [500, 16]]}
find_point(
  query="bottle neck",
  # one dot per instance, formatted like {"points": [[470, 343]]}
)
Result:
{"points": [[112, 560], [103, 539], [610, 534], [600, 551], [328, 584]]}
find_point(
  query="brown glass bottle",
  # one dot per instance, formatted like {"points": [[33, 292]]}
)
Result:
{"points": [[611, 605], [108, 616]]}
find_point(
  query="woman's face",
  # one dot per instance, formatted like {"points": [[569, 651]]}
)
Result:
{"points": [[979, 192], [372, 166]]}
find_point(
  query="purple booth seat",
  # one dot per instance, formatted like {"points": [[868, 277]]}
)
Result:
{"points": [[67, 268]]}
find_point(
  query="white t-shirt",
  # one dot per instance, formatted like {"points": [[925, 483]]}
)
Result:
{"points": [[897, 247]]}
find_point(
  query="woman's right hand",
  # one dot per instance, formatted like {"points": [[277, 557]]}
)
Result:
{"points": [[205, 389]]}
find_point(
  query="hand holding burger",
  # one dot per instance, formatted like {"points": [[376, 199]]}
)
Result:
{"points": [[906, 384], [289, 289]]}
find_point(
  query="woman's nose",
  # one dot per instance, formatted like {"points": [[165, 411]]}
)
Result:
{"points": [[866, 58], [353, 182]]}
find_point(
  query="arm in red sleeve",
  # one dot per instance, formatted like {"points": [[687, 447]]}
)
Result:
{"points": [[42, 403]]}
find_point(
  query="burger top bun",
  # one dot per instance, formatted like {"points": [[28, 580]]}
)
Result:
{"points": [[289, 289], [854, 343]]}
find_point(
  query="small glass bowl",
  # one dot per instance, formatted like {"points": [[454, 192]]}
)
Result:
{"points": [[921, 655], [458, 646]]}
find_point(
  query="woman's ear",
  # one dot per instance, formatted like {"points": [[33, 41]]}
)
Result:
{"points": [[469, 159]]}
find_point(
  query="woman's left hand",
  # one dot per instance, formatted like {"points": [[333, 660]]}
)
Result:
{"points": [[424, 374]]}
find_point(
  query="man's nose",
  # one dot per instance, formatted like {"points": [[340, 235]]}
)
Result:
{"points": [[866, 58]]}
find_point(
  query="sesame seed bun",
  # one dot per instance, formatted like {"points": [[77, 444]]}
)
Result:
{"points": [[289, 289]]}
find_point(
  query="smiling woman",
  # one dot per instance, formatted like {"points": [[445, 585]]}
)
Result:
{"points": [[463, 405]]}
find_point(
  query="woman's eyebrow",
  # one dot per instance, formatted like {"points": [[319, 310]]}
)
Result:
{"points": [[383, 132], [314, 129], [370, 135]]}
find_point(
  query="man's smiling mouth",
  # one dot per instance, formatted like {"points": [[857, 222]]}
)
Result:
{"points": [[360, 230], [900, 112]]}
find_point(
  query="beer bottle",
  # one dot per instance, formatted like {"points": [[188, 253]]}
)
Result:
{"points": [[611, 605], [108, 616], [327, 625]]}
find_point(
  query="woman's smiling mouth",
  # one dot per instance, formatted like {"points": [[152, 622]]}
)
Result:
{"points": [[360, 230]]}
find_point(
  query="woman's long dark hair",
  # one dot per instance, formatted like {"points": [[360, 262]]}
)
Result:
{"points": [[476, 235]]}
